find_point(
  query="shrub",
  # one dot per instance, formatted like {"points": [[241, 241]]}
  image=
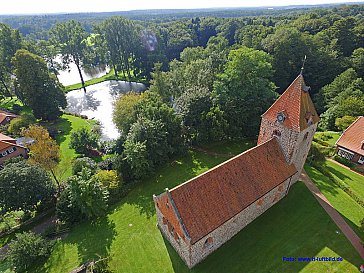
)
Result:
{"points": [[107, 164], [83, 141], [23, 121], [83, 162], [84, 198], [29, 250], [315, 154], [344, 161], [111, 181]]}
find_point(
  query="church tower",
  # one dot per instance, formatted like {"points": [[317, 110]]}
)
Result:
{"points": [[293, 120]]}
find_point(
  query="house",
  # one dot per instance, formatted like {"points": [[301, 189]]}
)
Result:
{"points": [[200, 215], [6, 117], [10, 149], [350, 145]]}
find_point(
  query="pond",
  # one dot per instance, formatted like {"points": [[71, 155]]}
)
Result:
{"points": [[71, 76], [97, 103]]}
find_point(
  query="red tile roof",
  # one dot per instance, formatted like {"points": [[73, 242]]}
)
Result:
{"points": [[353, 137], [210, 199], [4, 115], [296, 117]]}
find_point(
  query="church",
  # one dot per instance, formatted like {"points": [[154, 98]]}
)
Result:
{"points": [[200, 215]]}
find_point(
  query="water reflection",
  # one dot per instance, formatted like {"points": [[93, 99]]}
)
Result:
{"points": [[97, 103]]}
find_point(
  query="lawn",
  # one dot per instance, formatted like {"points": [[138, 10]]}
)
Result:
{"points": [[352, 179], [352, 212], [109, 76], [66, 125], [329, 137], [296, 227]]}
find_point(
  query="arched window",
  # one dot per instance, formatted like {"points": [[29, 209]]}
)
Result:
{"points": [[276, 133], [209, 241], [305, 136]]}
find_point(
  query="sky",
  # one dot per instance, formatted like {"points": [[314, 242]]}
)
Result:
{"points": [[71, 6]]}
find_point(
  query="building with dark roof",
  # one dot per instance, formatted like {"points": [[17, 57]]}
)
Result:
{"points": [[200, 215], [350, 145]]}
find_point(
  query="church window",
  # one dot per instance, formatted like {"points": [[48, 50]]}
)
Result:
{"points": [[276, 133], [305, 136], [209, 241], [167, 204]]}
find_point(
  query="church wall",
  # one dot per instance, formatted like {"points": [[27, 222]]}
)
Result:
{"points": [[287, 137], [182, 246], [202, 248], [302, 148]]}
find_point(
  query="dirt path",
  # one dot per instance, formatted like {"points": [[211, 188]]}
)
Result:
{"points": [[38, 229], [335, 216]]}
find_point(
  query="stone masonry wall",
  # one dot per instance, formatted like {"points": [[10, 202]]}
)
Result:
{"points": [[287, 138], [201, 249], [302, 148], [182, 247]]}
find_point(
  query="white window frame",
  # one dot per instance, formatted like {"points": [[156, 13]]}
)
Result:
{"points": [[361, 159], [345, 153]]}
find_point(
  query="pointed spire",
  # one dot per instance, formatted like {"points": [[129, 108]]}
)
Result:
{"points": [[303, 65]]}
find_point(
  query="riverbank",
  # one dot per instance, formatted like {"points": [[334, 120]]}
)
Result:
{"points": [[109, 76]]}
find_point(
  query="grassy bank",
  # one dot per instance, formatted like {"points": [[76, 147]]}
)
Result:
{"points": [[296, 227]]}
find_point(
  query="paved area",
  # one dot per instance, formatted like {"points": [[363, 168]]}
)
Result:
{"points": [[335, 216]]}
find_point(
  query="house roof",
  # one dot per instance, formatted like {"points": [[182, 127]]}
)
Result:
{"points": [[296, 118], [6, 142], [210, 199], [353, 137], [4, 115], [6, 138]]}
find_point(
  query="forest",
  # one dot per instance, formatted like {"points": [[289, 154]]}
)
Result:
{"points": [[210, 75]]}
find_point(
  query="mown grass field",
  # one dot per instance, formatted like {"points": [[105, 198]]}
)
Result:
{"points": [[328, 136], [352, 212], [296, 227]]}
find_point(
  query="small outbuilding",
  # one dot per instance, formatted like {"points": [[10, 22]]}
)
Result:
{"points": [[350, 145]]}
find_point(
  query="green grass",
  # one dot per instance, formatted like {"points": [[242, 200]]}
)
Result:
{"points": [[351, 179], [352, 212], [8, 103], [329, 137], [109, 76], [296, 227], [230, 147], [66, 125]]}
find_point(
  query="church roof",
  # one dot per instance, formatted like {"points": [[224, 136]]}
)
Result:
{"points": [[207, 201], [295, 118], [353, 137]]}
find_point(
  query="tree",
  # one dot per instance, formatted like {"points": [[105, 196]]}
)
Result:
{"points": [[27, 250], [23, 186], [83, 198], [357, 60], [83, 141], [83, 162], [9, 43], [70, 37], [44, 151], [344, 122], [124, 114], [36, 87], [245, 91], [122, 42], [136, 156]]}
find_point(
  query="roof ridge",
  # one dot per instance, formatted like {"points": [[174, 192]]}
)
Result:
{"points": [[359, 117], [223, 163]]}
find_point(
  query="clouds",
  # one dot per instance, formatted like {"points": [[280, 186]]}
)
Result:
{"points": [[68, 6]]}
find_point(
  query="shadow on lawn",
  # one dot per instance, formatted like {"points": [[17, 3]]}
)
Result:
{"points": [[321, 181], [94, 241], [173, 174], [285, 230], [59, 129], [337, 173]]}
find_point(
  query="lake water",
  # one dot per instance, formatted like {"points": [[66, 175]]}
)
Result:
{"points": [[97, 103], [71, 76]]}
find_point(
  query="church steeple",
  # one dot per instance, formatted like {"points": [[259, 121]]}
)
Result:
{"points": [[293, 120], [294, 108]]}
